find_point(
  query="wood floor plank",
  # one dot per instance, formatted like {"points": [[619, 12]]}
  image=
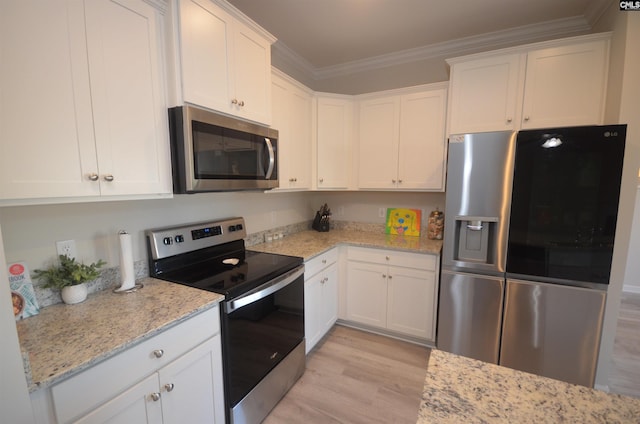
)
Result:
{"points": [[357, 377], [625, 370]]}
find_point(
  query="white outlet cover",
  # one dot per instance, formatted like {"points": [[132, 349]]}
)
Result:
{"points": [[66, 247]]}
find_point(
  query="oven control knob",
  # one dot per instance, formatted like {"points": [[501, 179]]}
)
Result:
{"points": [[167, 241], [232, 228], [179, 238]]}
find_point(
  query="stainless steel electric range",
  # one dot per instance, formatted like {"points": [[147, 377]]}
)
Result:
{"points": [[262, 315]]}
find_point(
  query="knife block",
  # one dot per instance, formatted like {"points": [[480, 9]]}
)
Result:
{"points": [[320, 224]]}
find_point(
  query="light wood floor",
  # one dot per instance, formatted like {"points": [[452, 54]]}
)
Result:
{"points": [[356, 377], [625, 372]]}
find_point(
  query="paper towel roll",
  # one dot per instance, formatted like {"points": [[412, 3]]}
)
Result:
{"points": [[126, 262]]}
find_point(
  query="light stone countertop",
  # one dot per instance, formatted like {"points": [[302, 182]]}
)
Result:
{"points": [[308, 244], [63, 340], [464, 390]]}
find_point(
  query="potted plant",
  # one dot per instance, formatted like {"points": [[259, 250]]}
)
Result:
{"points": [[69, 277]]}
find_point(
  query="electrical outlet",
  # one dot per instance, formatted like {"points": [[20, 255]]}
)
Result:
{"points": [[340, 210], [66, 247], [382, 212]]}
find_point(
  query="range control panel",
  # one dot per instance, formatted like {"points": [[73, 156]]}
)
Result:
{"points": [[170, 241]]}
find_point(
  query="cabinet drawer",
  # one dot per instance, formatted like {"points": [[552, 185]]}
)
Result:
{"points": [[315, 265], [92, 387], [393, 257]]}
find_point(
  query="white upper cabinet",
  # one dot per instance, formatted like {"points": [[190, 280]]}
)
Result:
{"points": [[83, 101], [402, 140], [334, 141], [483, 95], [557, 83], [566, 85], [292, 117], [224, 64]]}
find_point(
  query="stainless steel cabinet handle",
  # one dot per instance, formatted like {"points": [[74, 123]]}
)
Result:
{"points": [[169, 387], [234, 101], [390, 277], [526, 118], [384, 275], [393, 181], [321, 180], [93, 177], [387, 258], [509, 119], [108, 177], [241, 103], [158, 353], [155, 396], [399, 181], [324, 261]]}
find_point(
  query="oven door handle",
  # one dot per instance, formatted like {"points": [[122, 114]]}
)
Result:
{"points": [[265, 290]]}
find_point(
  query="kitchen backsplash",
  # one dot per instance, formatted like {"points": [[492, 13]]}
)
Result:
{"points": [[110, 277]]}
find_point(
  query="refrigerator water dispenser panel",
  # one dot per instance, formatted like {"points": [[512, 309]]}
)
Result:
{"points": [[475, 237]]}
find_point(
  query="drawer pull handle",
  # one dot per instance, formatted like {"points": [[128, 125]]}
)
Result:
{"points": [[93, 177], [169, 387], [158, 353], [155, 396]]}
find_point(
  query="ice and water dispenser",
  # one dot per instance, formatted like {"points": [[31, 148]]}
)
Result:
{"points": [[475, 239]]}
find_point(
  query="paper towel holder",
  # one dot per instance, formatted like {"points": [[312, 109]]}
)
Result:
{"points": [[136, 286]]}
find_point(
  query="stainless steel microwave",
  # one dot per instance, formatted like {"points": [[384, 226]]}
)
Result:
{"points": [[213, 152]]}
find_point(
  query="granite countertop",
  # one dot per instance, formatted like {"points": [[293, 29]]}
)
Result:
{"points": [[63, 340], [311, 243], [464, 390]]}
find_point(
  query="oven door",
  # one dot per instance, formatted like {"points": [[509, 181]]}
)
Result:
{"points": [[260, 329]]}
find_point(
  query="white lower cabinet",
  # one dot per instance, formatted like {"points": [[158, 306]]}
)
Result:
{"points": [[174, 377], [320, 296], [393, 291]]}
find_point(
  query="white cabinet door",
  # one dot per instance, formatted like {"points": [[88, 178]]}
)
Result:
{"points": [[367, 293], [191, 386], [485, 94], [47, 147], [204, 54], [421, 153], [565, 85], [378, 143], [128, 97], [410, 303], [139, 404], [320, 297], [225, 66], [334, 132], [292, 110], [329, 314], [251, 75], [99, 101], [312, 311]]}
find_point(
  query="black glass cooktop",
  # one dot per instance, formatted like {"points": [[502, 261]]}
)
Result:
{"points": [[232, 273]]}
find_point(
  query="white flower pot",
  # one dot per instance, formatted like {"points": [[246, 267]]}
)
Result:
{"points": [[74, 294]]}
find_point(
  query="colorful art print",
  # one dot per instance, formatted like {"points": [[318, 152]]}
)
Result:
{"points": [[403, 221]]}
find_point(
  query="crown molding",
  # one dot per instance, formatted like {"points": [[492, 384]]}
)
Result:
{"points": [[494, 40]]}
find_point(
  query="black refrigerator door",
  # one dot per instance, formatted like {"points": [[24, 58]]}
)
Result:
{"points": [[566, 188]]}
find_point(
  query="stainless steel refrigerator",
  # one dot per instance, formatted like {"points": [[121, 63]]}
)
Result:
{"points": [[527, 247]]}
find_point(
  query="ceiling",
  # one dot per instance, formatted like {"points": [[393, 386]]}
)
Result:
{"points": [[330, 37]]}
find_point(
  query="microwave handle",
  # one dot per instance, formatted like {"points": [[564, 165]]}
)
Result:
{"points": [[272, 158]]}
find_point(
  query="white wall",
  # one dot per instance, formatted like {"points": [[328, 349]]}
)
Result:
{"points": [[30, 232], [623, 96], [364, 206], [15, 406]]}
